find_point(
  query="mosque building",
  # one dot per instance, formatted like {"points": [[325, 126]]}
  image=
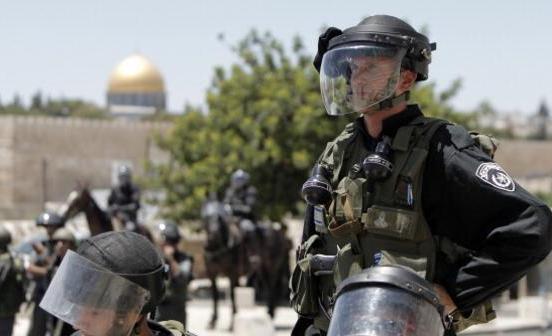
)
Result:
{"points": [[136, 88]]}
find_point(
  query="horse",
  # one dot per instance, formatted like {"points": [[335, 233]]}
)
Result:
{"points": [[99, 221], [81, 200], [233, 252]]}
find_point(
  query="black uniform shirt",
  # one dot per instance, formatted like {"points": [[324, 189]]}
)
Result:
{"points": [[505, 231]]}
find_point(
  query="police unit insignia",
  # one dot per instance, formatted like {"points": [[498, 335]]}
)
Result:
{"points": [[494, 175]]}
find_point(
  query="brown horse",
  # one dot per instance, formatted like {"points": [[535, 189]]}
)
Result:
{"points": [[81, 200], [232, 253], [98, 220]]}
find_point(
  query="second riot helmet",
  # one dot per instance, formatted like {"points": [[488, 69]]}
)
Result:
{"points": [[48, 218], [169, 232]]}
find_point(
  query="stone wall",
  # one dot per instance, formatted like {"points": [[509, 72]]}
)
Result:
{"points": [[41, 158]]}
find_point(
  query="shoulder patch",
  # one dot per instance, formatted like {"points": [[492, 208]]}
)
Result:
{"points": [[493, 174]]}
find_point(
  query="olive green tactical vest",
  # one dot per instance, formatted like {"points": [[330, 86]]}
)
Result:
{"points": [[385, 226]]}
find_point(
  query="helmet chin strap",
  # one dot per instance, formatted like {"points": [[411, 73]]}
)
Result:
{"points": [[388, 103]]}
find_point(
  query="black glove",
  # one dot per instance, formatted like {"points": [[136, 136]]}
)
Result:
{"points": [[323, 42]]}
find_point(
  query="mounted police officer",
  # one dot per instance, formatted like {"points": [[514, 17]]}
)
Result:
{"points": [[111, 285], [398, 188], [40, 270], [241, 196], [12, 293], [124, 200], [173, 306]]}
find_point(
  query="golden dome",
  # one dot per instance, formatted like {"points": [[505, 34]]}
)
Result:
{"points": [[135, 74]]}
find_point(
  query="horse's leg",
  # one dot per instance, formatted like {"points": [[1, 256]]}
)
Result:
{"points": [[214, 292], [274, 288], [233, 283]]}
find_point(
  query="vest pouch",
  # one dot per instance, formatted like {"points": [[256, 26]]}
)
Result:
{"points": [[302, 285], [346, 207], [346, 264], [391, 222], [416, 263]]}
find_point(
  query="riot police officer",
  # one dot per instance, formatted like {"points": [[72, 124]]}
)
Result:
{"points": [[40, 270], [173, 306], [111, 284], [124, 199], [398, 188], [11, 284], [63, 241], [241, 196]]}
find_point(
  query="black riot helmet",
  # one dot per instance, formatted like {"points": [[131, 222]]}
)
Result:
{"points": [[239, 179], [384, 40], [124, 175], [386, 301], [5, 238], [104, 288], [391, 31], [49, 219], [131, 256], [169, 232]]}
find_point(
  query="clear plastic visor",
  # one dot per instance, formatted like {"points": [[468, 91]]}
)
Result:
{"points": [[92, 299], [356, 78], [384, 311]]}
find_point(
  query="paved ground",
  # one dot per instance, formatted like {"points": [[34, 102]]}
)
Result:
{"points": [[199, 314]]}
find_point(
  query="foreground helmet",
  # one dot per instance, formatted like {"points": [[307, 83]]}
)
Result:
{"points": [[239, 178], [360, 67], [49, 219], [5, 238], [103, 288], [169, 232], [386, 301]]}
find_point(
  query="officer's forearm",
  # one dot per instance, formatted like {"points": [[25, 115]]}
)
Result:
{"points": [[508, 254], [37, 271]]}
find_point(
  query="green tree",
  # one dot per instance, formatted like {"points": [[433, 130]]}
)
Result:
{"points": [[54, 107], [72, 108], [264, 115], [36, 101], [15, 107]]}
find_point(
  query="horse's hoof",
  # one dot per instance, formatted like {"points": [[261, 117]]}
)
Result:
{"points": [[211, 325]]}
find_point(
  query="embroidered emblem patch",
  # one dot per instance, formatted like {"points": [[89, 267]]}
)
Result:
{"points": [[494, 175], [380, 223]]}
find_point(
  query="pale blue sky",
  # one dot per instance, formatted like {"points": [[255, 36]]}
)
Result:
{"points": [[501, 49]]}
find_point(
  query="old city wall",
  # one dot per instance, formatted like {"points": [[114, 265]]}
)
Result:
{"points": [[42, 159]]}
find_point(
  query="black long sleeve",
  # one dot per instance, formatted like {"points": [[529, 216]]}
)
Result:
{"points": [[473, 202]]}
